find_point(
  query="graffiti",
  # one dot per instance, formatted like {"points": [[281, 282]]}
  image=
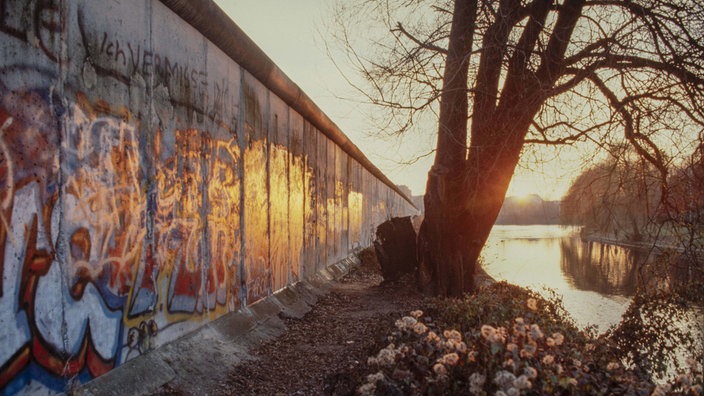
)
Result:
{"points": [[132, 208], [185, 85], [14, 326], [74, 256], [279, 213], [136, 58], [296, 215], [104, 200], [223, 225], [66, 261], [139, 338], [34, 22], [256, 245], [198, 163]]}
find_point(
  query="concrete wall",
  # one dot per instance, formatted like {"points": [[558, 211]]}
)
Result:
{"points": [[149, 183]]}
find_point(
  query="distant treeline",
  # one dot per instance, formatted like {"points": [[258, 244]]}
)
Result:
{"points": [[529, 210]]}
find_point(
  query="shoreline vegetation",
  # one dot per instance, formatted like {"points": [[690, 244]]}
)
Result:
{"points": [[508, 340], [647, 245]]}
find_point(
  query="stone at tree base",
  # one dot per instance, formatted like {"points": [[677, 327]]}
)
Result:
{"points": [[395, 247]]}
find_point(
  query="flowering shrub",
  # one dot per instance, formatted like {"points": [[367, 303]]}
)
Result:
{"points": [[527, 348]]}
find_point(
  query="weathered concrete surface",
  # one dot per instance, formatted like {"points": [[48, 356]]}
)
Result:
{"points": [[151, 184], [198, 361]]}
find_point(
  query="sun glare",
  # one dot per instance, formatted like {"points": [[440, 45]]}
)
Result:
{"points": [[522, 188]]}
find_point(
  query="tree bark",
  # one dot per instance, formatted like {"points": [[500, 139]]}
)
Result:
{"points": [[445, 259], [461, 206]]}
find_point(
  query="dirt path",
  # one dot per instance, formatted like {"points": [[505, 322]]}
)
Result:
{"points": [[325, 353]]}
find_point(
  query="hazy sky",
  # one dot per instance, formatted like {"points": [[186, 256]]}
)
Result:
{"points": [[291, 33]]}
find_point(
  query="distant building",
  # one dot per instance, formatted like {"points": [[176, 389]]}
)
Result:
{"points": [[416, 199], [418, 202]]}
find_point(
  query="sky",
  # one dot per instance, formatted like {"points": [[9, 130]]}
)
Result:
{"points": [[293, 34]]}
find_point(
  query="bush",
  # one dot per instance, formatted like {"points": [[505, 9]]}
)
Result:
{"points": [[504, 340]]}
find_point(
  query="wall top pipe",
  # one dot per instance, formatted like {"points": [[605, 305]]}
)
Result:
{"points": [[216, 26]]}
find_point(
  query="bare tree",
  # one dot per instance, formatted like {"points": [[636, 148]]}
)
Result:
{"points": [[618, 199], [511, 73]]}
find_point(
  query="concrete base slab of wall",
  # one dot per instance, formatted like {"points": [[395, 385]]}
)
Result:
{"points": [[198, 361]]}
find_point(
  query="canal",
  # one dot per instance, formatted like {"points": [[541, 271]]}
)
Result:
{"points": [[595, 280]]}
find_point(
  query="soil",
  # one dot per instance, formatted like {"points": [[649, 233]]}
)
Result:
{"points": [[325, 352]]}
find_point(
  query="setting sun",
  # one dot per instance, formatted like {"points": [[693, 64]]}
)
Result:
{"points": [[522, 188]]}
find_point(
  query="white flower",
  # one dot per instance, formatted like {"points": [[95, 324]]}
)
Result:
{"points": [[386, 356], [453, 335], [528, 350], [450, 359], [440, 369], [532, 304], [535, 332], [559, 338], [432, 338], [405, 322], [496, 338], [461, 347], [449, 345], [504, 379], [420, 328], [522, 382], [548, 360], [500, 393], [531, 372], [488, 332], [513, 392], [373, 378], [611, 366], [367, 390], [476, 382], [417, 313], [519, 329], [511, 347]]}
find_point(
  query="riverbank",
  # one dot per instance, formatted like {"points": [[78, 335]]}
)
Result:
{"points": [[660, 245], [367, 336]]}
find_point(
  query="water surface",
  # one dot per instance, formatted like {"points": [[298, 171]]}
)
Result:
{"points": [[596, 281]]}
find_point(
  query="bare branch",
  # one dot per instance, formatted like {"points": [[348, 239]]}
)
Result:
{"points": [[423, 44]]}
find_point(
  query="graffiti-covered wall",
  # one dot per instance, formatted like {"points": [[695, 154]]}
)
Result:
{"points": [[152, 180]]}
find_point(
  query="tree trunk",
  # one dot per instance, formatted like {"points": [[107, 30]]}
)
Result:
{"points": [[444, 257], [461, 206]]}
